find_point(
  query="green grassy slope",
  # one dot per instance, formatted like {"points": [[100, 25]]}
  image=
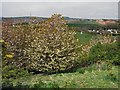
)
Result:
{"points": [[89, 79]]}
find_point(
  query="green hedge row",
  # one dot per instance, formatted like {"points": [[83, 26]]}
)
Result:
{"points": [[105, 52]]}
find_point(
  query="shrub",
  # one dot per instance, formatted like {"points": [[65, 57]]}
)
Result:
{"points": [[8, 69], [7, 84], [105, 52], [48, 46]]}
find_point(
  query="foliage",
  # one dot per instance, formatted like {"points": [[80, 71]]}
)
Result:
{"points": [[110, 26], [3, 48], [47, 47], [105, 52], [9, 71], [7, 84]]}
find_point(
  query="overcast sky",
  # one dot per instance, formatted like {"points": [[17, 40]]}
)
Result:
{"points": [[60, 0], [71, 9]]}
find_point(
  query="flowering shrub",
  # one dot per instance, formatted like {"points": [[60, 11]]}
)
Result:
{"points": [[8, 69], [48, 46]]}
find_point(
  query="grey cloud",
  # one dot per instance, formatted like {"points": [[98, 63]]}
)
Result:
{"points": [[72, 9], [0, 9]]}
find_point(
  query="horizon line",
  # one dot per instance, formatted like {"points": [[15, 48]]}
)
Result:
{"points": [[50, 16]]}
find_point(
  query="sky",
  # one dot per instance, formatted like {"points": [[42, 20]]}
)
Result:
{"points": [[60, 0], [71, 9]]}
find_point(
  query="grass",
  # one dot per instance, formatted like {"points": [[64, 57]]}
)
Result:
{"points": [[90, 78], [85, 24], [85, 37]]}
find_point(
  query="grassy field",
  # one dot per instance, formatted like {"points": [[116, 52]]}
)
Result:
{"points": [[85, 37], [88, 77], [85, 24]]}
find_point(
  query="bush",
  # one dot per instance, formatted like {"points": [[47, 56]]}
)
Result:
{"points": [[105, 52], [7, 84], [8, 69], [46, 47]]}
